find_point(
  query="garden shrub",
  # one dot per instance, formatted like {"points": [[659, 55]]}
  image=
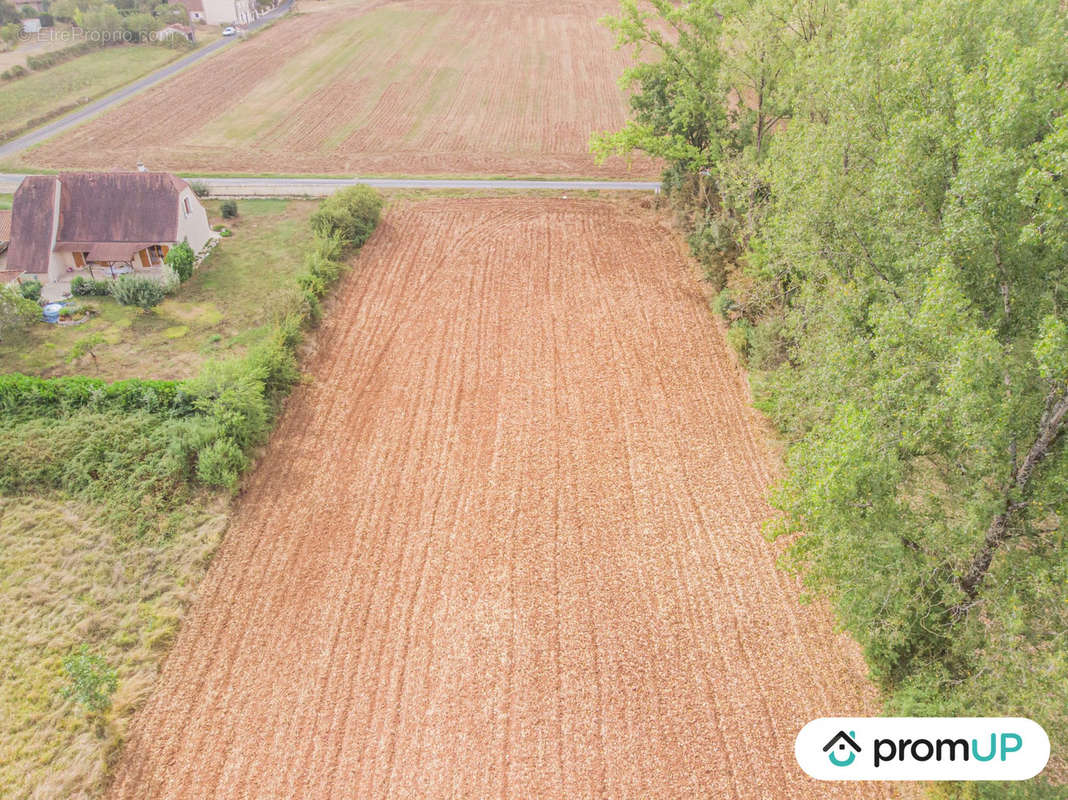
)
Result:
{"points": [[31, 290], [16, 312], [169, 280], [349, 215], [138, 290], [200, 189], [228, 209], [181, 259], [85, 287]]}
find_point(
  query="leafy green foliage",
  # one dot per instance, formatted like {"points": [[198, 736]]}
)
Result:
{"points": [[84, 287], [181, 259], [902, 244], [138, 290], [228, 209], [16, 312], [349, 215], [31, 290], [92, 681]]}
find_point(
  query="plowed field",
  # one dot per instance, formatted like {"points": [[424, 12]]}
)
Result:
{"points": [[504, 544], [420, 87]]}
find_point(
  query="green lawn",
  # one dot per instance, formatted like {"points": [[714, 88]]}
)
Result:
{"points": [[224, 308], [42, 95], [5, 201]]}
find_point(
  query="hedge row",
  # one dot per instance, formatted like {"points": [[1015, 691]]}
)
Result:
{"points": [[28, 395]]}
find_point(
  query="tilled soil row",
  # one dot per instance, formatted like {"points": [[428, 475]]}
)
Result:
{"points": [[505, 543]]}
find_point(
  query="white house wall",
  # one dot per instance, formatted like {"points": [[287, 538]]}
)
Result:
{"points": [[229, 12], [194, 227]]}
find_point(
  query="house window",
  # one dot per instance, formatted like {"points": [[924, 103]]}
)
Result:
{"points": [[188, 208]]}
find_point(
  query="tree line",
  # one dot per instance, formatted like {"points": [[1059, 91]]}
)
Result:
{"points": [[878, 188]]}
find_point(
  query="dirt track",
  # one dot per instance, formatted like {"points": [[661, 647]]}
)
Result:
{"points": [[505, 544]]}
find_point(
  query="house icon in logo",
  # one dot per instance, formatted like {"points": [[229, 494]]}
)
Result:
{"points": [[839, 743]]}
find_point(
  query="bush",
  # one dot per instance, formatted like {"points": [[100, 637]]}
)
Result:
{"points": [[200, 189], [349, 216], [27, 395], [231, 393], [47, 21], [16, 312], [228, 209], [169, 280], [723, 303], [221, 463], [181, 259], [17, 71], [31, 290], [92, 680], [85, 287], [53, 57], [137, 290], [738, 337]]}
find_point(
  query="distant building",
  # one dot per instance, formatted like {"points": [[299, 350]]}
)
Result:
{"points": [[222, 12], [63, 223], [32, 25], [176, 30]]}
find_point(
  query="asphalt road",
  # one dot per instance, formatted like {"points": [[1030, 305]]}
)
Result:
{"points": [[321, 187], [38, 135]]}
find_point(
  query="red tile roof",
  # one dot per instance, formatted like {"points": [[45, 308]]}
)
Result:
{"points": [[119, 207], [31, 224], [95, 208]]}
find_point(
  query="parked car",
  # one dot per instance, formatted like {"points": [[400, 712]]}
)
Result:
{"points": [[229, 30]]}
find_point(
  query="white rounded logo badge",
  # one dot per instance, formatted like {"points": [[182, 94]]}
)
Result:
{"points": [[922, 749]]}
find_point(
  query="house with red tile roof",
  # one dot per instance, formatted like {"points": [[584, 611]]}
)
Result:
{"points": [[67, 222], [221, 12]]}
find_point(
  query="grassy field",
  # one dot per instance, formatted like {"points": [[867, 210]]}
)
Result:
{"points": [[42, 95], [225, 307], [67, 579], [5, 201]]}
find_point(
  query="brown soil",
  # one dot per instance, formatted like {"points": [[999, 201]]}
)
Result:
{"points": [[415, 87], [505, 543]]}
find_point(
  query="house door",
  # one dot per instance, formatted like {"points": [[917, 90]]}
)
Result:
{"points": [[144, 258], [79, 259]]}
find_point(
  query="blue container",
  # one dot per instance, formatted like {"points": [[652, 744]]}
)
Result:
{"points": [[51, 312]]}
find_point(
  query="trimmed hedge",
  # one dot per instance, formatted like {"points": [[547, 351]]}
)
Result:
{"points": [[29, 395]]}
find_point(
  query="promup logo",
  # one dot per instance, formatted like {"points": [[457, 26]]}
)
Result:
{"points": [[842, 740], [922, 749]]}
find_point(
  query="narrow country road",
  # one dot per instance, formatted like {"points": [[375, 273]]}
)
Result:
{"points": [[321, 187], [38, 135]]}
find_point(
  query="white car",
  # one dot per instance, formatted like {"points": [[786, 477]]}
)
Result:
{"points": [[229, 30]]}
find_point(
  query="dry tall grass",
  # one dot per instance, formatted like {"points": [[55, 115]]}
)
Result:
{"points": [[65, 579]]}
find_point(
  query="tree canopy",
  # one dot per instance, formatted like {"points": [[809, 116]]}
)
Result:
{"points": [[892, 177]]}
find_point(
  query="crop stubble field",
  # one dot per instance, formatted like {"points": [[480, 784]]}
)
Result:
{"points": [[505, 543], [419, 87]]}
